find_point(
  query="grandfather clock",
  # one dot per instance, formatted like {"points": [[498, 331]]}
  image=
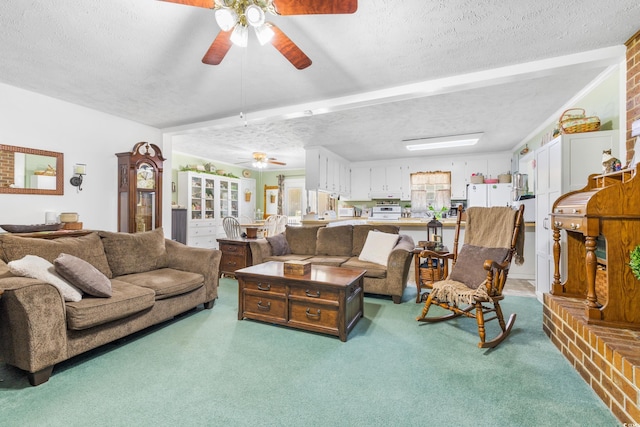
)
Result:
{"points": [[140, 188]]}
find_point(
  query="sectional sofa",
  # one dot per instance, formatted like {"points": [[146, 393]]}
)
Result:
{"points": [[342, 246]]}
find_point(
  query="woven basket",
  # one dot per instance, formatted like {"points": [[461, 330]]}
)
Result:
{"points": [[430, 275], [574, 120], [602, 288]]}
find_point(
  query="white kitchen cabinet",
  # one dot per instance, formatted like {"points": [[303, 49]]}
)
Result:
{"points": [[386, 182], [563, 165], [360, 183], [326, 171], [458, 179], [406, 183]]}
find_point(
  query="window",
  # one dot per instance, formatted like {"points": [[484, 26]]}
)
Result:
{"points": [[294, 199], [430, 189]]}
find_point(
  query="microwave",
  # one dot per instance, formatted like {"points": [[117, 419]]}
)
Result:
{"points": [[346, 212]]}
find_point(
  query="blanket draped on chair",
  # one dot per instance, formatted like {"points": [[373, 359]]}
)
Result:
{"points": [[484, 228]]}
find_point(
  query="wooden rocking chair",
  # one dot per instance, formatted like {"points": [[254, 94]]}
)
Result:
{"points": [[493, 236]]}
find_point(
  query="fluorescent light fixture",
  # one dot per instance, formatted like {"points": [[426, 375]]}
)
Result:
{"points": [[443, 142]]}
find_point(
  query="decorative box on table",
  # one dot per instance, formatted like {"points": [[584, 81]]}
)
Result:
{"points": [[297, 268]]}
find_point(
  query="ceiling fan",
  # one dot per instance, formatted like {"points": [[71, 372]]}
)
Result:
{"points": [[260, 160], [234, 17]]}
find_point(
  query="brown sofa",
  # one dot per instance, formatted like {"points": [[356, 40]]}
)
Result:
{"points": [[341, 246], [152, 280]]}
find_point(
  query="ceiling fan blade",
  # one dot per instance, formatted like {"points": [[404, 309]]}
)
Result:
{"points": [[209, 4], [289, 49], [273, 162], [218, 49], [312, 7]]}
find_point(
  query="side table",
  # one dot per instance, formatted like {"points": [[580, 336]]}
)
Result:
{"points": [[236, 254], [429, 271]]}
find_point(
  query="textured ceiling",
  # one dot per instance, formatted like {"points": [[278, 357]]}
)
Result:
{"points": [[391, 70]]}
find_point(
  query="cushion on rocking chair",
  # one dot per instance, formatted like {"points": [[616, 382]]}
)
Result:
{"points": [[469, 264]]}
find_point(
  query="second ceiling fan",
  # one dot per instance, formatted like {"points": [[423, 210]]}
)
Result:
{"points": [[234, 17]]}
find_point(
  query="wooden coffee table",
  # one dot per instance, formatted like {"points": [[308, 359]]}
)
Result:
{"points": [[328, 300]]}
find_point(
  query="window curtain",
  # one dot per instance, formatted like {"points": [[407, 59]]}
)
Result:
{"points": [[430, 189]]}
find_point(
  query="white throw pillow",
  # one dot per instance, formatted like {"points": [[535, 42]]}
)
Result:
{"points": [[41, 269], [378, 246]]}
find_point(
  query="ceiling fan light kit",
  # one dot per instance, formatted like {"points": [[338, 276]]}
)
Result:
{"points": [[226, 18], [234, 17], [240, 36]]}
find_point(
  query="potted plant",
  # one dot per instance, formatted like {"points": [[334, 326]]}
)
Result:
{"points": [[437, 214], [634, 261]]}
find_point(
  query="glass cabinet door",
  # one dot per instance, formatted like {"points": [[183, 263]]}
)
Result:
{"points": [[224, 198], [209, 198], [196, 197], [233, 194]]}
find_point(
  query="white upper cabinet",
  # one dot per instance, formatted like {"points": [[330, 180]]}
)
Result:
{"points": [[386, 182], [458, 180], [326, 171], [360, 183]]}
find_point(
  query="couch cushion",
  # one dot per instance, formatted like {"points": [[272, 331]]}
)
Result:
{"points": [[335, 241], [39, 268], [360, 233], [378, 246], [469, 264], [166, 282], [334, 261], [279, 245], [83, 275], [134, 253], [373, 270], [88, 248], [302, 240], [126, 300]]}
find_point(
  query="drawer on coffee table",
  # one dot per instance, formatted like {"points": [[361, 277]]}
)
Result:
{"points": [[267, 307], [263, 286], [313, 293], [319, 317]]}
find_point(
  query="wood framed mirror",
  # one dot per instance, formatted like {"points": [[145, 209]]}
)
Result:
{"points": [[30, 171], [270, 200]]}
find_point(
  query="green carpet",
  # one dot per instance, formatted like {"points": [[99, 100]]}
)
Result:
{"points": [[207, 368]]}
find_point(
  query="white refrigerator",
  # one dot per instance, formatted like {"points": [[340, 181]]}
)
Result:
{"points": [[487, 195]]}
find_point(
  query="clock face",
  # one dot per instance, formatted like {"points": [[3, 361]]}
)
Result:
{"points": [[146, 176], [246, 173]]}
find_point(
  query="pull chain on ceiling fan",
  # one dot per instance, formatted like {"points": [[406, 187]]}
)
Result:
{"points": [[234, 17]]}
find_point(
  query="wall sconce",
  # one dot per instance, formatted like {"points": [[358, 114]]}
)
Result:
{"points": [[79, 169]]}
